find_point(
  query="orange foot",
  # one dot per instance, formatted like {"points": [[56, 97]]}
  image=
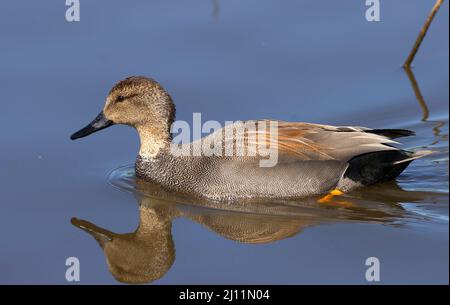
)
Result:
{"points": [[328, 200]]}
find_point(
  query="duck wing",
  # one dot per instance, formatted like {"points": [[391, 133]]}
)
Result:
{"points": [[341, 143], [305, 141]]}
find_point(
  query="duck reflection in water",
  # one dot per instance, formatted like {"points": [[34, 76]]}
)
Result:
{"points": [[148, 253]]}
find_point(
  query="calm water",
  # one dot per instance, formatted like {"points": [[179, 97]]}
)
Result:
{"points": [[316, 61]]}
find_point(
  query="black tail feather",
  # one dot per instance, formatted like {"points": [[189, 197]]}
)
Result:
{"points": [[392, 133], [378, 166]]}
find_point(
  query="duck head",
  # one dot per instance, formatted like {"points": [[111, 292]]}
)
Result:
{"points": [[139, 102]]}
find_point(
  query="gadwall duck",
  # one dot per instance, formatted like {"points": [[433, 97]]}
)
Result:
{"points": [[302, 159]]}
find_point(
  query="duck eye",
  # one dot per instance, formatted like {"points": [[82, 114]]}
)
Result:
{"points": [[120, 98]]}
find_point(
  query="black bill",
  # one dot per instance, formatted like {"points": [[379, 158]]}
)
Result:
{"points": [[99, 123]]}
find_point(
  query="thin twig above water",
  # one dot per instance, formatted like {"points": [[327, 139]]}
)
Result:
{"points": [[422, 33]]}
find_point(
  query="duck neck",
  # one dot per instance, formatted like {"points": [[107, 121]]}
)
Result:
{"points": [[152, 140]]}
